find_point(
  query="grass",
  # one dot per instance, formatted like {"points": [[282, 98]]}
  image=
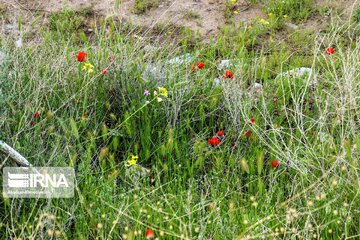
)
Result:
{"points": [[142, 6], [192, 15], [296, 10], [181, 187], [357, 15]]}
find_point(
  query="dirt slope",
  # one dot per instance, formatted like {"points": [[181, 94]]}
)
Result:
{"points": [[205, 16]]}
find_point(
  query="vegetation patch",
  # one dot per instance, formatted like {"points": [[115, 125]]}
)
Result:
{"points": [[142, 6], [253, 134], [296, 10]]}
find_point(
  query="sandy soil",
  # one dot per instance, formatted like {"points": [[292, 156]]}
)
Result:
{"points": [[210, 13]]}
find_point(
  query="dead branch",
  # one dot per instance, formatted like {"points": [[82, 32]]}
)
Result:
{"points": [[13, 154]]}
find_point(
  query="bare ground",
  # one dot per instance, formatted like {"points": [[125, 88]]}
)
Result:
{"points": [[209, 15]]}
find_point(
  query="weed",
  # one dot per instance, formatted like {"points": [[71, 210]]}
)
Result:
{"points": [[297, 10], [142, 6], [249, 145], [357, 15], [192, 15]]}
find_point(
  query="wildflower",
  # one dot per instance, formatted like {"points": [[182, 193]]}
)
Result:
{"points": [[81, 56], [84, 116], [214, 141], [163, 92], [233, 1], [263, 21], [229, 74], [252, 120], [103, 71], [236, 12], [88, 67], [149, 234], [36, 114], [133, 160], [248, 133], [275, 163], [285, 16], [270, 14], [146, 92], [220, 133], [200, 65], [330, 50]]}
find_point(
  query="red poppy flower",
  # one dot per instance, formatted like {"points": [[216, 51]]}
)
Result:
{"points": [[229, 74], [252, 120], [275, 163], [248, 133], [220, 133], [192, 68], [149, 234], [103, 71], [330, 50], [214, 141], [81, 56], [36, 114], [200, 65]]}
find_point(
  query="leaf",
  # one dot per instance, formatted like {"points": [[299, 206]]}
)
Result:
{"points": [[260, 162], [74, 128]]}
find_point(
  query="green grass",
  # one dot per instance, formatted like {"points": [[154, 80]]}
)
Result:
{"points": [[357, 15], [142, 6], [192, 15], [296, 10], [189, 190]]}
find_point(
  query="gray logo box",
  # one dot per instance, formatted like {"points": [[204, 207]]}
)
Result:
{"points": [[38, 182]]}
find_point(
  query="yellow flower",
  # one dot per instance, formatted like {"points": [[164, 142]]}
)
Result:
{"points": [[133, 160], [163, 91], [264, 21], [88, 67], [236, 12], [285, 16], [270, 14], [233, 1]]}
